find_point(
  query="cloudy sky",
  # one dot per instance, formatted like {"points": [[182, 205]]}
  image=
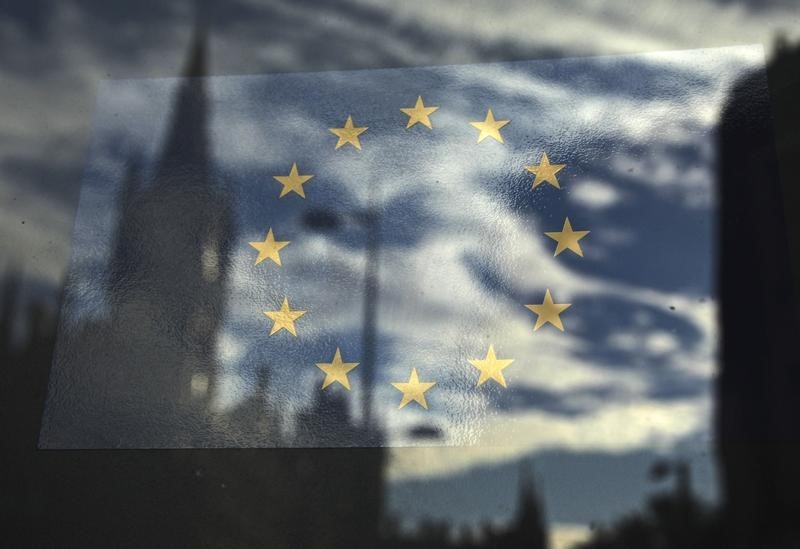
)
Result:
{"points": [[53, 56], [463, 247]]}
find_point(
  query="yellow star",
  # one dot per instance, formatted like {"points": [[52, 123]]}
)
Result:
{"points": [[567, 238], [284, 318], [491, 367], [414, 390], [269, 248], [548, 311], [292, 182], [545, 172], [348, 134], [490, 127], [336, 370], [419, 113]]}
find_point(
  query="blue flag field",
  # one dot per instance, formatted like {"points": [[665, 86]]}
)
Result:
{"points": [[500, 255]]}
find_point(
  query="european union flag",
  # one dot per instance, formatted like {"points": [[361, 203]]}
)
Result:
{"points": [[499, 254]]}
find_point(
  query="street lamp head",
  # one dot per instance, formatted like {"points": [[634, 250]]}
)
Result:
{"points": [[321, 220]]}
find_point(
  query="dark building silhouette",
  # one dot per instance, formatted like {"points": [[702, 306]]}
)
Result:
{"points": [[758, 408]]}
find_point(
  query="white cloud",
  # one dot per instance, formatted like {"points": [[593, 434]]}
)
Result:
{"points": [[567, 535], [616, 428], [594, 194]]}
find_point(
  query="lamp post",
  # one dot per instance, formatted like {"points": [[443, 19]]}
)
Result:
{"points": [[323, 220]]}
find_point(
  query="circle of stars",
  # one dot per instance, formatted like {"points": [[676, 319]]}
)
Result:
{"points": [[490, 368]]}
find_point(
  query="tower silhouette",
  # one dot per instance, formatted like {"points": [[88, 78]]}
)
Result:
{"points": [[149, 365], [529, 528], [167, 277], [758, 435]]}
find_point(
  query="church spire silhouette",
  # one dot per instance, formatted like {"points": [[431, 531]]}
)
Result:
{"points": [[529, 520], [187, 138], [168, 277]]}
